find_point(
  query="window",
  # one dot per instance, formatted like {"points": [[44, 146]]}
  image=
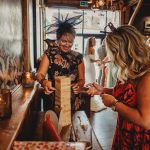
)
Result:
{"points": [[92, 25]]}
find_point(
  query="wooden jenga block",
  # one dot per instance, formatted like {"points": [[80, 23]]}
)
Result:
{"points": [[63, 91], [65, 117], [63, 99]]}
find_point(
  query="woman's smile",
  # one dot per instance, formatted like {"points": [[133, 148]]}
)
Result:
{"points": [[65, 43]]}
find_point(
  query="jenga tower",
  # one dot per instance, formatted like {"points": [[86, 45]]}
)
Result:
{"points": [[63, 99]]}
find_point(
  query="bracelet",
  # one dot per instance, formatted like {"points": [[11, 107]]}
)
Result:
{"points": [[41, 81], [113, 107]]}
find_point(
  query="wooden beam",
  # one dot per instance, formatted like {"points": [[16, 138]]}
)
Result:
{"points": [[26, 37], [139, 4], [71, 3]]}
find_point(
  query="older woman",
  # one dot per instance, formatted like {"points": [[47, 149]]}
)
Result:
{"points": [[61, 60]]}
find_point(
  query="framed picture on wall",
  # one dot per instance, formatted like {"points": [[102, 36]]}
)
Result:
{"points": [[94, 21]]}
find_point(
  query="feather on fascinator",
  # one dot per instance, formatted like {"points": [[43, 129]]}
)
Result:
{"points": [[62, 25]]}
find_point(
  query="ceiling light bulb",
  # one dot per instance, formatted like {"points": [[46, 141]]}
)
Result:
{"points": [[101, 3], [90, 1]]}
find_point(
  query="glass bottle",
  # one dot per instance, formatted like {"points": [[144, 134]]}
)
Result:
{"points": [[5, 103]]}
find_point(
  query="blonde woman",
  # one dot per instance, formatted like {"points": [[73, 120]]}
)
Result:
{"points": [[130, 98]]}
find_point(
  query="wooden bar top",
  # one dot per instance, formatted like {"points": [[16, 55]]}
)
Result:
{"points": [[9, 128], [22, 100]]}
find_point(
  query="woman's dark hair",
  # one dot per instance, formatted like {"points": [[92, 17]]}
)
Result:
{"points": [[62, 26]]}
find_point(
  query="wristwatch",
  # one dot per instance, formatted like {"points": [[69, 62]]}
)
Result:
{"points": [[113, 107]]}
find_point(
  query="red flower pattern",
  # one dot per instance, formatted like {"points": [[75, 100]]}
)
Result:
{"points": [[129, 136]]}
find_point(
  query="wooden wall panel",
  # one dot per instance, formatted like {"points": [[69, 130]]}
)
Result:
{"points": [[26, 37], [72, 3]]}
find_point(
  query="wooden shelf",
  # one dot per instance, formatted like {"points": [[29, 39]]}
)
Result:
{"points": [[9, 128]]}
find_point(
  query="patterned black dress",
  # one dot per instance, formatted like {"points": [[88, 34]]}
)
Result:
{"points": [[129, 136], [64, 64]]}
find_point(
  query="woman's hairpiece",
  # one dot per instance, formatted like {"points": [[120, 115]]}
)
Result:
{"points": [[111, 27], [63, 24]]}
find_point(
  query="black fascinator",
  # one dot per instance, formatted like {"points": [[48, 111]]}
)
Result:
{"points": [[62, 26]]}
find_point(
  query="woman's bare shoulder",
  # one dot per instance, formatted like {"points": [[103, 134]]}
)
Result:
{"points": [[146, 76], [144, 82]]}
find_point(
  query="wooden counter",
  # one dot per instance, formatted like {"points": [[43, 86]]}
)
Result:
{"points": [[9, 128], [26, 119]]}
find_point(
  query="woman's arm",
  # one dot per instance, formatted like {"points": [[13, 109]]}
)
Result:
{"points": [[81, 71], [46, 84], [143, 99], [96, 89], [44, 64], [107, 90], [139, 115]]}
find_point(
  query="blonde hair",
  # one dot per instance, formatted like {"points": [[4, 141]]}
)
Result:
{"points": [[127, 49]]}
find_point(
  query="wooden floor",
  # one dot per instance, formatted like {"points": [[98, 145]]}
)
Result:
{"points": [[104, 123]]}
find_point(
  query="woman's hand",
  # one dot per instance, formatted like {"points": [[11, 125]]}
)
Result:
{"points": [[98, 62], [75, 88], [108, 100], [102, 63], [48, 89], [94, 89]]}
